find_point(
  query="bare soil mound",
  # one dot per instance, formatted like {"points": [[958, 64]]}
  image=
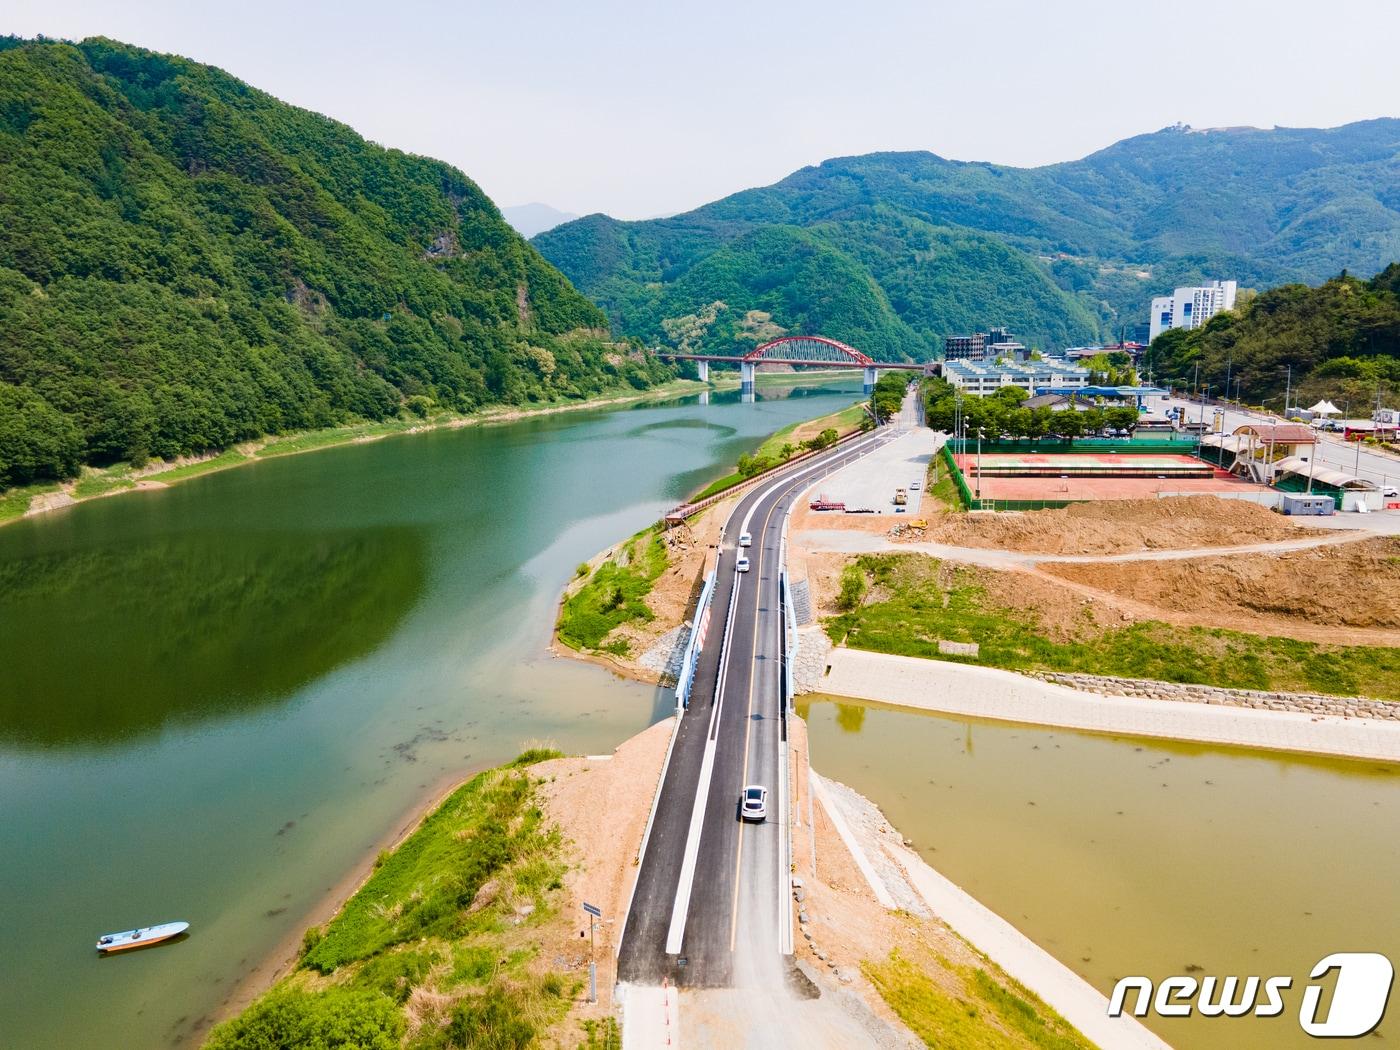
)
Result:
{"points": [[1344, 585], [1118, 526]]}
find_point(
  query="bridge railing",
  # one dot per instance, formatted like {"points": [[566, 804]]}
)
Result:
{"points": [[695, 644]]}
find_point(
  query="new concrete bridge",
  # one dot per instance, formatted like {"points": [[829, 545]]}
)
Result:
{"points": [[799, 351]]}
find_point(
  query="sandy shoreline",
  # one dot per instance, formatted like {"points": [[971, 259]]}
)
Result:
{"points": [[280, 960]]}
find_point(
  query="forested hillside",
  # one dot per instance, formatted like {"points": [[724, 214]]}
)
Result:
{"points": [[186, 262], [1060, 254], [1341, 340]]}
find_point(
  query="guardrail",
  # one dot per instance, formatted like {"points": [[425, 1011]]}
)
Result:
{"points": [[690, 659], [685, 510]]}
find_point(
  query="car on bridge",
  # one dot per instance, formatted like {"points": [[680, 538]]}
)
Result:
{"points": [[753, 803]]}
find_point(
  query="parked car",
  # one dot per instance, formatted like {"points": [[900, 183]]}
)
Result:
{"points": [[913, 486], [742, 565], [745, 539], [1390, 492], [753, 803]]}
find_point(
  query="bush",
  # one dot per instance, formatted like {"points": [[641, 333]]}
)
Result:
{"points": [[852, 591], [297, 1020], [490, 1022]]}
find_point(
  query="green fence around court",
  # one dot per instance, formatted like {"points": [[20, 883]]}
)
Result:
{"points": [[1183, 446]]}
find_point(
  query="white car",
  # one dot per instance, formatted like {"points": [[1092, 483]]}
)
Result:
{"points": [[742, 565], [913, 486], [745, 540], [753, 803], [1390, 491]]}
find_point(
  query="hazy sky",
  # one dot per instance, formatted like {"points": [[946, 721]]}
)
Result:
{"points": [[640, 109]]}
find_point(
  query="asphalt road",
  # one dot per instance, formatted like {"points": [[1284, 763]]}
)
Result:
{"points": [[711, 892]]}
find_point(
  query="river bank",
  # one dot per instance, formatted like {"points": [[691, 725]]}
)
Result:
{"points": [[521, 879], [101, 482]]}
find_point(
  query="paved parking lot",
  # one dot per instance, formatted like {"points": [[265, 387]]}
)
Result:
{"points": [[871, 481]]}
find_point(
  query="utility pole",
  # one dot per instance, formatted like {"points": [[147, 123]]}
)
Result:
{"points": [[1287, 392], [1229, 365], [594, 914], [979, 468]]}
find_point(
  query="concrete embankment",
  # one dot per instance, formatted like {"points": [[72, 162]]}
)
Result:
{"points": [[896, 874], [986, 692]]}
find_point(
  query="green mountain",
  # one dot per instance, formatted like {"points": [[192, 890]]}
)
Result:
{"points": [[186, 262], [1060, 254], [1341, 340]]}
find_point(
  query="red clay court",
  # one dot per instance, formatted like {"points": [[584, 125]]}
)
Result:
{"points": [[1094, 476]]}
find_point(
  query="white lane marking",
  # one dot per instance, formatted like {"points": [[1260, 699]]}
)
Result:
{"points": [[680, 907], [675, 934]]}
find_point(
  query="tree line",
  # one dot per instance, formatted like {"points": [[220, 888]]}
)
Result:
{"points": [[1002, 414], [186, 263]]}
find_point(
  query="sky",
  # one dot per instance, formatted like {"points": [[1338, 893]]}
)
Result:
{"points": [[645, 109]]}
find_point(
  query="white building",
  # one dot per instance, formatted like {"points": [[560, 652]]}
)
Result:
{"points": [[986, 377], [1190, 307]]}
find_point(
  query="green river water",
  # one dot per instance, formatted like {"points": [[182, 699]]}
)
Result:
{"points": [[217, 699], [1122, 855]]}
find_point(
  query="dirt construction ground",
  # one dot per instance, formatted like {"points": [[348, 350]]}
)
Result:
{"points": [[1341, 594], [1116, 527]]}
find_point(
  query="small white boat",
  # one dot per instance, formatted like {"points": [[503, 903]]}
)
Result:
{"points": [[146, 935]]}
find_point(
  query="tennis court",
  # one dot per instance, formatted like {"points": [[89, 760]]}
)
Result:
{"points": [[1092, 476]]}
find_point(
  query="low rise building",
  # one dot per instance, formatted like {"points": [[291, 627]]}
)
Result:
{"points": [[987, 377]]}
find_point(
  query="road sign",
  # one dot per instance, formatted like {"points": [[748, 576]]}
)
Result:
{"points": [[593, 910]]}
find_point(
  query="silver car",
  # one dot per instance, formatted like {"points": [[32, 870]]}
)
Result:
{"points": [[753, 803]]}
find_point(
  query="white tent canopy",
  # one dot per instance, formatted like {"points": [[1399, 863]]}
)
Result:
{"points": [[1325, 408]]}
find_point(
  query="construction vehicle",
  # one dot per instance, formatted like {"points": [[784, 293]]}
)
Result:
{"points": [[822, 503], [900, 497]]}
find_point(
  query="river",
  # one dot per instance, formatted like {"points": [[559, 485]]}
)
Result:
{"points": [[217, 699], [1121, 855]]}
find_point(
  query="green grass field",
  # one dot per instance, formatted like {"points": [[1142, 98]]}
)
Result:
{"points": [[441, 913], [613, 595], [910, 609]]}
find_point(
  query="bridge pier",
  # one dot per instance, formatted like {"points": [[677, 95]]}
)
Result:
{"points": [[746, 373], [869, 378], [703, 367]]}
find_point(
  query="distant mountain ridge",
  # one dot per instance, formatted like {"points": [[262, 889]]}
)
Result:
{"points": [[533, 218], [186, 262], [1056, 253]]}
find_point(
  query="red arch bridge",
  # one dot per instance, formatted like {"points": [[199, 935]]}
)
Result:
{"points": [[799, 351]]}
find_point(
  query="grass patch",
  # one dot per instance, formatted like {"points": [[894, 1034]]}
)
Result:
{"points": [[314, 439], [14, 502], [439, 914], [983, 1014], [615, 594], [916, 603], [941, 488], [222, 461]]}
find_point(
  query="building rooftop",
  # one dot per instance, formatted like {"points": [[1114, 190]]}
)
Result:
{"points": [[1027, 369], [1279, 433]]}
